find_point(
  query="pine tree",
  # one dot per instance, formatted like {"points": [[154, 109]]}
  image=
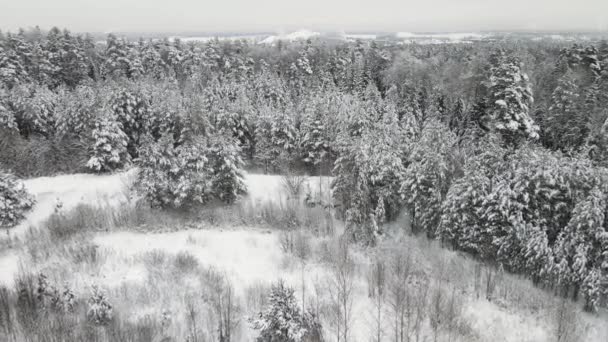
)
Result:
{"points": [[117, 62], [368, 173], [75, 110], [315, 141], [151, 61], [7, 117], [283, 321], [234, 115], [174, 177], [565, 126], [434, 163], [109, 146], [12, 70], [66, 55], [130, 108], [581, 249], [458, 119], [510, 100], [227, 176], [463, 223], [33, 109], [190, 173], [276, 138]]}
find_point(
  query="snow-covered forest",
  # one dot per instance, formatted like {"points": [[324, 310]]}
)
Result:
{"points": [[417, 178]]}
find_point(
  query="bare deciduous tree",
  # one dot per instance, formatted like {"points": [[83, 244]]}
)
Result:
{"points": [[400, 302], [340, 285], [377, 291], [223, 304]]}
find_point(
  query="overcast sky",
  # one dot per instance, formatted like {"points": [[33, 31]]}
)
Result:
{"points": [[283, 15]]}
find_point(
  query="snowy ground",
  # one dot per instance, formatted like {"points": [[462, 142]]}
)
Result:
{"points": [[71, 190], [247, 256]]}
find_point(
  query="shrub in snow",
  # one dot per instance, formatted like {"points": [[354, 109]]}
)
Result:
{"points": [[100, 310], [14, 200], [110, 146], [283, 321], [49, 297]]}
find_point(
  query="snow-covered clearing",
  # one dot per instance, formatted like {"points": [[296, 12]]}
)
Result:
{"points": [[247, 256], [112, 190]]}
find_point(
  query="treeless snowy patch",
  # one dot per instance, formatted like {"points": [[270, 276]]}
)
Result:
{"points": [[496, 324]]}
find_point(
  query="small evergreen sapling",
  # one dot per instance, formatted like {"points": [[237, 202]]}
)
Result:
{"points": [[14, 200]]}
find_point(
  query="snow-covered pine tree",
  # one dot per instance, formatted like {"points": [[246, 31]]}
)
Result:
{"points": [[224, 158], [458, 119], [565, 127], [462, 222], [599, 143], [67, 57], [14, 200], [433, 164], [174, 177], [581, 255], [283, 320], [276, 138], [192, 172], [315, 141], [41, 70], [368, 173], [33, 109], [265, 152], [7, 117], [538, 190], [387, 153], [234, 114], [165, 110], [510, 100], [135, 68], [22, 52], [130, 108], [117, 62], [151, 60], [12, 70], [109, 145], [350, 187], [75, 110]]}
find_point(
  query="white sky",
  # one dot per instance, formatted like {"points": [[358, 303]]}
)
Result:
{"points": [[276, 15]]}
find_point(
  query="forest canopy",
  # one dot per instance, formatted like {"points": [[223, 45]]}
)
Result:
{"points": [[498, 148]]}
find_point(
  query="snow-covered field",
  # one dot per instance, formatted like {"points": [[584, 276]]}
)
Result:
{"points": [[248, 256]]}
